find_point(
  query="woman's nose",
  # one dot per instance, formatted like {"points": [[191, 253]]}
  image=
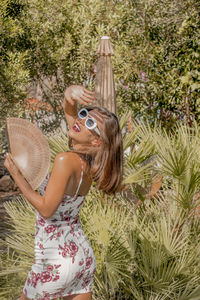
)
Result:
{"points": [[81, 121]]}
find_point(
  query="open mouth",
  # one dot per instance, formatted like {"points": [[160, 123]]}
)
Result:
{"points": [[76, 127]]}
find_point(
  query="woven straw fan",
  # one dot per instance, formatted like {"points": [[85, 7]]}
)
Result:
{"points": [[29, 149]]}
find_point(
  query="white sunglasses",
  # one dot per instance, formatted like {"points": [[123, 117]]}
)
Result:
{"points": [[90, 122]]}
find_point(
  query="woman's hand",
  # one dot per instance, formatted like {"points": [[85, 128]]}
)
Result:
{"points": [[11, 166], [77, 93], [34, 198]]}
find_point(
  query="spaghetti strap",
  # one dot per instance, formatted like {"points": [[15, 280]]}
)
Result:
{"points": [[81, 179]]}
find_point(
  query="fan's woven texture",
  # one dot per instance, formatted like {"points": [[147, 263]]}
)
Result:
{"points": [[29, 149]]}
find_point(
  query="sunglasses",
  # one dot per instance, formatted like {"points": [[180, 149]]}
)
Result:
{"points": [[90, 123]]}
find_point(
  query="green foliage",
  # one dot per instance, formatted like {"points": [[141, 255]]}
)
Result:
{"points": [[178, 156], [106, 225], [161, 243], [19, 254], [144, 250], [139, 155], [51, 44], [58, 144]]}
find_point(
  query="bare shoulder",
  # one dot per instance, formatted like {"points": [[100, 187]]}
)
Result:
{"points": [[68, 159]]}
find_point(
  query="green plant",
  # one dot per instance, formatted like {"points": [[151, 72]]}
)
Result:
{"points": [[156, 62], [178, 159], [144, 250]]}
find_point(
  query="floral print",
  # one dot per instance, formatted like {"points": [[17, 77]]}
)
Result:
{"points": [[50, 274], [53, 231], [69, 250], [64, 261]]}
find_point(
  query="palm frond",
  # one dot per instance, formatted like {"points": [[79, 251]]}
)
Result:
{"points": [[58, 143], [160, 244], [137, 175], [130, 138], [21, 221], [149, 251], [124, 119]]}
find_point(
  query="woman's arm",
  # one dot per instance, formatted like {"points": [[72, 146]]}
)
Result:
{"points": [[70, 107], [72, 95], [64, 167]]}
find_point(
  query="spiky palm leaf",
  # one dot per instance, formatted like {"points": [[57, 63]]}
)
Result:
{"points": [[188, 186], [19, 242], [177, 150], [105, 223], [161, 242], [139, 154], [58, 143], [173, 155], [178, 159], [22, 233], [124, 119], [145, 251]]}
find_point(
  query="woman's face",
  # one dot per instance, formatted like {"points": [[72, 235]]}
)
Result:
{"points": [[80, 134]]}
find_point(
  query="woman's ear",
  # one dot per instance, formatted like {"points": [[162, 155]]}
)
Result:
{"points": [[96, 142]]}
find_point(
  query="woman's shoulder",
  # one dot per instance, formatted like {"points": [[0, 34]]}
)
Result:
{"points": [[69, 159], [67, 155]]}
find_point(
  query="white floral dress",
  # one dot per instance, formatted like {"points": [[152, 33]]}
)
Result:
{"points": [[64, 260]]}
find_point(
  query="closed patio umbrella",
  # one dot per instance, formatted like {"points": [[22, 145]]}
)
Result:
{"points": [[104, 82]]}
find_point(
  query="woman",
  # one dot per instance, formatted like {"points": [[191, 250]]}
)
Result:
{"points": [[64, 263]]}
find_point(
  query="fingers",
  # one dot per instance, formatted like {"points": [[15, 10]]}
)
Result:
{"points": [[88, 92], [10, 165], [83, 102], [82, 98], [87, 96], [9, 160], [8, 157], [79, 94], [86, 99]]}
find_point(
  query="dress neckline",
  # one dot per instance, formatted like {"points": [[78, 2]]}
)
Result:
{"points": [[73, 196]]}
